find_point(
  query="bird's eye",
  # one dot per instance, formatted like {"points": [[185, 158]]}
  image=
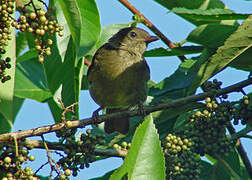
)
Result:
{"points": [[133, 34]]}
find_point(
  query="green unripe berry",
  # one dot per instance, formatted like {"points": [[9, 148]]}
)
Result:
{"points": [[41, 12], [31, 158], [246, 101], [68, 124], [41, 58], [62, 176], [176, 168], [33, 15], [21, 158], [115, 146], [245, 97], [209, 105], [68, 172], [208, 100], [7, 159], [61, 34], [42, 19], [198, 113], [124, 144], [38, 47], [49, 42]]}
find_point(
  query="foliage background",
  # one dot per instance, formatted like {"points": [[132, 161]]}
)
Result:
{"points": [[34, 114]]}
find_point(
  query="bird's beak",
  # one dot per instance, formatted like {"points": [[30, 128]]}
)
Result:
{"points": [[151, 39]]}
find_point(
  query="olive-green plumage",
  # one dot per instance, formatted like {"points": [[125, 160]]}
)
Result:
{"points": [[118, 74]]}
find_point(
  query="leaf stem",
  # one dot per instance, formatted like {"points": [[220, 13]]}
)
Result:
{"points": [[130, 113]]}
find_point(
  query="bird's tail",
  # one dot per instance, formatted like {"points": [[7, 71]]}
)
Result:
{"points": [[120, 125]]}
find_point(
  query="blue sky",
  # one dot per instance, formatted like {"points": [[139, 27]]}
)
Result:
{"points": [[34, 114]]}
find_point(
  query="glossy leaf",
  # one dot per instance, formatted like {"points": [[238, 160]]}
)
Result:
{"points": [[218, 33], [237, 44], [159, 52], [7, 88], [145, 160], [215, 14], [199, 4], [83, 20], [22, 43], [30, 81], [28, 55]]}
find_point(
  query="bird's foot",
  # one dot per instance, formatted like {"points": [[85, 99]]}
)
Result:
{"points": [[141, 110], [95, 116]]}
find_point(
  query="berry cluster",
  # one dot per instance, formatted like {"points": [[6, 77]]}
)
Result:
{"points": [[181, 162], [4, 64], [207, 128], [243, 112], [6, 9], [80, 152], [11, 163], [213, 86], [39, 23], [124, 146]]}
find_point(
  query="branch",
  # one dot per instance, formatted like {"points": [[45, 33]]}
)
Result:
{"points": [[150, 26], [241, 151], [38, 144], [131, 113]]}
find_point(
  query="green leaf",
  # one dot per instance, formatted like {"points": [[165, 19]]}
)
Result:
{"points": [[159, 52], [218, 33], [199, 4], [226, 167], [90, 26], [61, 75], [83, 19], [22, 43], [7, 113], [30, 81], [237, 44], [31, 54], [145, 159], [73, 18], [212, 15], [205, 170], [180, 79]]}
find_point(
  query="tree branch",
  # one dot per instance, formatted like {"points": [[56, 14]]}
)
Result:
{"points": [[38, 144], [151, 26], [131, 113]]}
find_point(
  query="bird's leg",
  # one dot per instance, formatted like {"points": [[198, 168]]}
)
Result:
{"points": [[96, 115], [141, 109]]}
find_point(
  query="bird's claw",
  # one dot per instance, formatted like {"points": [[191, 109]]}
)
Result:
{"points": [[95, 116], [141, 110]]}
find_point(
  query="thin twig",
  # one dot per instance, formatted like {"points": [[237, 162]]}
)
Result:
{"points": [[40, 167], [16, 145], [151, 26], [241, 151], [131, 113], [56, 146], [87, 62], [48, 155]]}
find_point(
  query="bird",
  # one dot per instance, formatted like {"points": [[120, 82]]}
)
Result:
{"points": [[118, 75]]}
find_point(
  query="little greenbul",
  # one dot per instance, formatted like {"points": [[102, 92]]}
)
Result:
{"points": [[118, 75]]}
